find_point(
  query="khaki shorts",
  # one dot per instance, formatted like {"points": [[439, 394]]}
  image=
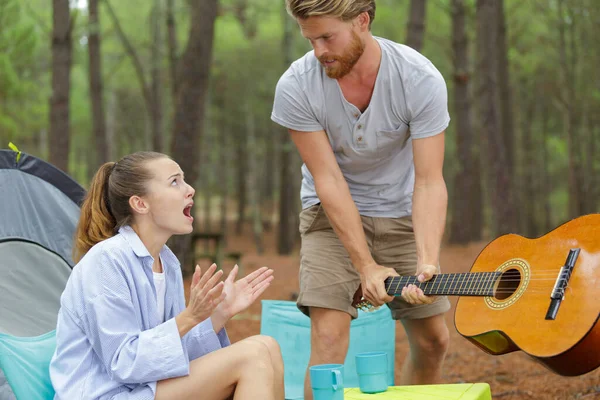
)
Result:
{"points": [[329, 280]]}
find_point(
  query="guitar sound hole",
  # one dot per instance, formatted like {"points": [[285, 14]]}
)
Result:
{"points": [[509, 282]]}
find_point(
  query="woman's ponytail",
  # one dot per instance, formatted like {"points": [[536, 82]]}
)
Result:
{"points": [[96, 221]]}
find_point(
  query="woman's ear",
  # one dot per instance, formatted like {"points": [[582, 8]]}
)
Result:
{"points": [[139, 205]]}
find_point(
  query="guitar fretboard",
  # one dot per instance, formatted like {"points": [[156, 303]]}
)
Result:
{"points": [[465, 284]]}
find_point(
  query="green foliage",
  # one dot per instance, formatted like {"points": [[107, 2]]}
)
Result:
{"points": [[248, 59], [19, 48]]}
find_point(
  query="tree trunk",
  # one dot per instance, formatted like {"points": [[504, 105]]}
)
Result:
{"points": [[172, 44], [507, 120], [500, 187], [269, 181], [193, 70], [205, 163], [59, 134], [593, 180], [222, 130], [111, 125], [96, 93], [156, 113], [207, 167], [546, 184], [242, 189], [253, 186], [476, 197], [464, 184], [223, 173], [287, 211], [416, 24], [587, 133], [150, 103], [595, 173], [569, 115], [529, 159]]}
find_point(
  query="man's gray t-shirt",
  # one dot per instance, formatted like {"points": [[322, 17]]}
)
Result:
{"points": [[374, 148]]}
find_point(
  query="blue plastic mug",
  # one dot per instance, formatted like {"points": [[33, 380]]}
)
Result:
{"points": [[327, 381], [372, 370]]}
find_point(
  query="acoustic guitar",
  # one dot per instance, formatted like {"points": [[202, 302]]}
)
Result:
{"points": [[539, 296]]}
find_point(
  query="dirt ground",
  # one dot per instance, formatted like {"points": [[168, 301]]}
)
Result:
{"points": [[511, 376]]}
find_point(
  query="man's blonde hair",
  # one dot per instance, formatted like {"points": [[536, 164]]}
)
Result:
{"points": [[345, 10]]}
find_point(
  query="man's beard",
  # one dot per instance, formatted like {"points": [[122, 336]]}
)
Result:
{"points": [[346, 61]]}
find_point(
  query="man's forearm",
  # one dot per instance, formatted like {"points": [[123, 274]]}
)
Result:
{"points": [[344, 218], [430, 201]]}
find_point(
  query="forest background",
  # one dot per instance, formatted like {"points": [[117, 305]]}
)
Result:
{"points": [[83, 82]]}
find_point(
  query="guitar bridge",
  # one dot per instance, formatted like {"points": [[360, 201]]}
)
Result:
{"points": [[558, 292]]}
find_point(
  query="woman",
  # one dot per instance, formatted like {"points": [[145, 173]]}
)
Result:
{"points": [[124, 331]]}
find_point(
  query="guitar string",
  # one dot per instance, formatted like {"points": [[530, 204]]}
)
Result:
{"points": [[476, 274], [495, 293], [511, 279], [479, 276], [474, 287], [486, 294], [499, 272], [529, 290]]}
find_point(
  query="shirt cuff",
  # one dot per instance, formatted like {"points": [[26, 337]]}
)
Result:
{"points": [[203, 339], [296, 127], [223, 338], [432, 132], [174, 359]]}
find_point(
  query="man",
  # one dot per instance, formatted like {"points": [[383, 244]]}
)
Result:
{"points": [[368, 117]]}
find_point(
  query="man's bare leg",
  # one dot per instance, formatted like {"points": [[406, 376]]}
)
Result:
{"points": [[329, 340], [428, 339]]}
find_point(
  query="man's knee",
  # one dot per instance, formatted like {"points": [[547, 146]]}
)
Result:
{"points": [[329, 338], [435, 344]]}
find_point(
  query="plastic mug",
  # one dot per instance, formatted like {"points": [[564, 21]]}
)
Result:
{"points": [[372, 370], [327, 381]]}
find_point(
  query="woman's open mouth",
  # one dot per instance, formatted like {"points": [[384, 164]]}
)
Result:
{"points": [[188, 213]]}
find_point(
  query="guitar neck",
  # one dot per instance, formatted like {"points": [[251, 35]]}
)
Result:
{"points": [[465, 284]]}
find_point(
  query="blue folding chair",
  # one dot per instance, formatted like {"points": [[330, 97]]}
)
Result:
{"points": [[372, 331], [26, 362]]}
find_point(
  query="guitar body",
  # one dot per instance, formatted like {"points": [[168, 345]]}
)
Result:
{"points": [[515, 317]]}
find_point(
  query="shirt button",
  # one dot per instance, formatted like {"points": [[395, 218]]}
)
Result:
{"points": [[356, 115], [360, 139], [359, 126]]}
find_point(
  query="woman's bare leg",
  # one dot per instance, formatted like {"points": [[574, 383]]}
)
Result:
{"points": [[276, 361], [244, 370]]}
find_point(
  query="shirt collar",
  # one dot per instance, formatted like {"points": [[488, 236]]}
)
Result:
{"points": [[134, 241], [140, 249]]}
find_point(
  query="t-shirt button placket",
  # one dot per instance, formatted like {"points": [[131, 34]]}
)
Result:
{"points": [[359, 139]]}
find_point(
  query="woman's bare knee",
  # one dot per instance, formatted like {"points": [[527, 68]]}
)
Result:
{"points": [[270, 343], [255, 352]]}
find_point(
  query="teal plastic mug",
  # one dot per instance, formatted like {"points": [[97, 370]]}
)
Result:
{"points": [[372, 370], [327, 381]]}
